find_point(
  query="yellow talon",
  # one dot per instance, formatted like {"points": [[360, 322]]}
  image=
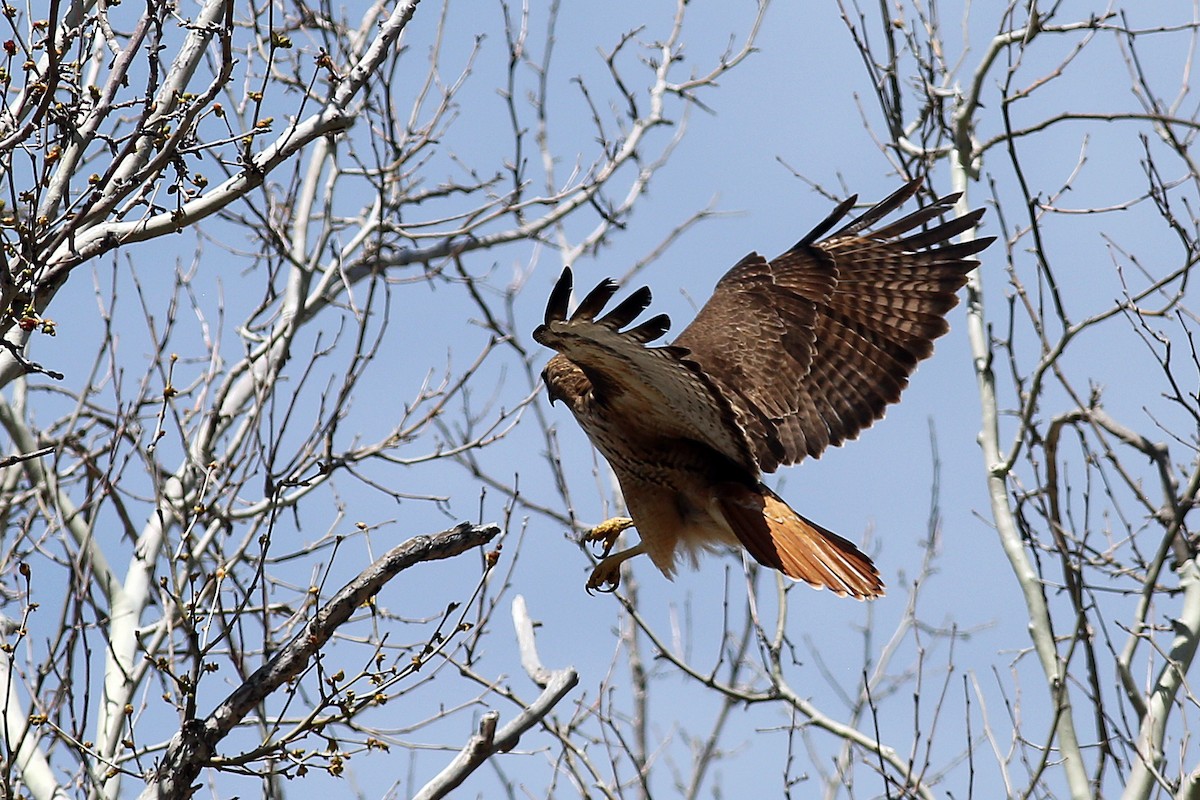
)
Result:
{"points": [[608, 532], [606, 576]]}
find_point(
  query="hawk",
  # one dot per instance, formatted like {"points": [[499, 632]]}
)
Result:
{"points": [[787, 358]]}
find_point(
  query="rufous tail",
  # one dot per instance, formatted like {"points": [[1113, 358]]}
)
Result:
{"points": [[780, 538]]}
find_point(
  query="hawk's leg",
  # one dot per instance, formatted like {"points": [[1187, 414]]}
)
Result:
{"points": [[607, 574]]}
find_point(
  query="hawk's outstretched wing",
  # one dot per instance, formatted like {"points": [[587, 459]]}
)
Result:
{"points": [[811, 347]]}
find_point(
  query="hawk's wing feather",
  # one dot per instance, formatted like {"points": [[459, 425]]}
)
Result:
{"points": [[886, 206], [595, 300], [619, 317], [627, 310], [650, 330], [835, 216], [560, 299], [811, 347], [758, 330]]}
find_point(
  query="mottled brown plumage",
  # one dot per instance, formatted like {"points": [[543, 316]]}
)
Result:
{"points": [[788, 357]]}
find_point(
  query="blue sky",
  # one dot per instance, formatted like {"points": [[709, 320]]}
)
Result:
{"points": [[796, 103]]}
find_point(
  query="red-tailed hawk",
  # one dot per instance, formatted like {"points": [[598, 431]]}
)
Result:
{"points": [[786, 358]]}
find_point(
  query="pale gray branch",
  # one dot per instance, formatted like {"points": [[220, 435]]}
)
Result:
{"points": [[190, 749], [488, 741]]}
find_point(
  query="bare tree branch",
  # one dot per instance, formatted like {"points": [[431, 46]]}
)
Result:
{"points": [[190, 749], [556, 684]]}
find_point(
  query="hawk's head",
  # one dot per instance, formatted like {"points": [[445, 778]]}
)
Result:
{"points": [[587, 335], [565, 381]]}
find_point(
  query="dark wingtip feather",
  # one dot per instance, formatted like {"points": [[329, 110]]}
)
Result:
{"points": [[596, 299], [883, 208], [980, 245], [628, 309], [650, 330], [834, 217], [556, 306]]}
